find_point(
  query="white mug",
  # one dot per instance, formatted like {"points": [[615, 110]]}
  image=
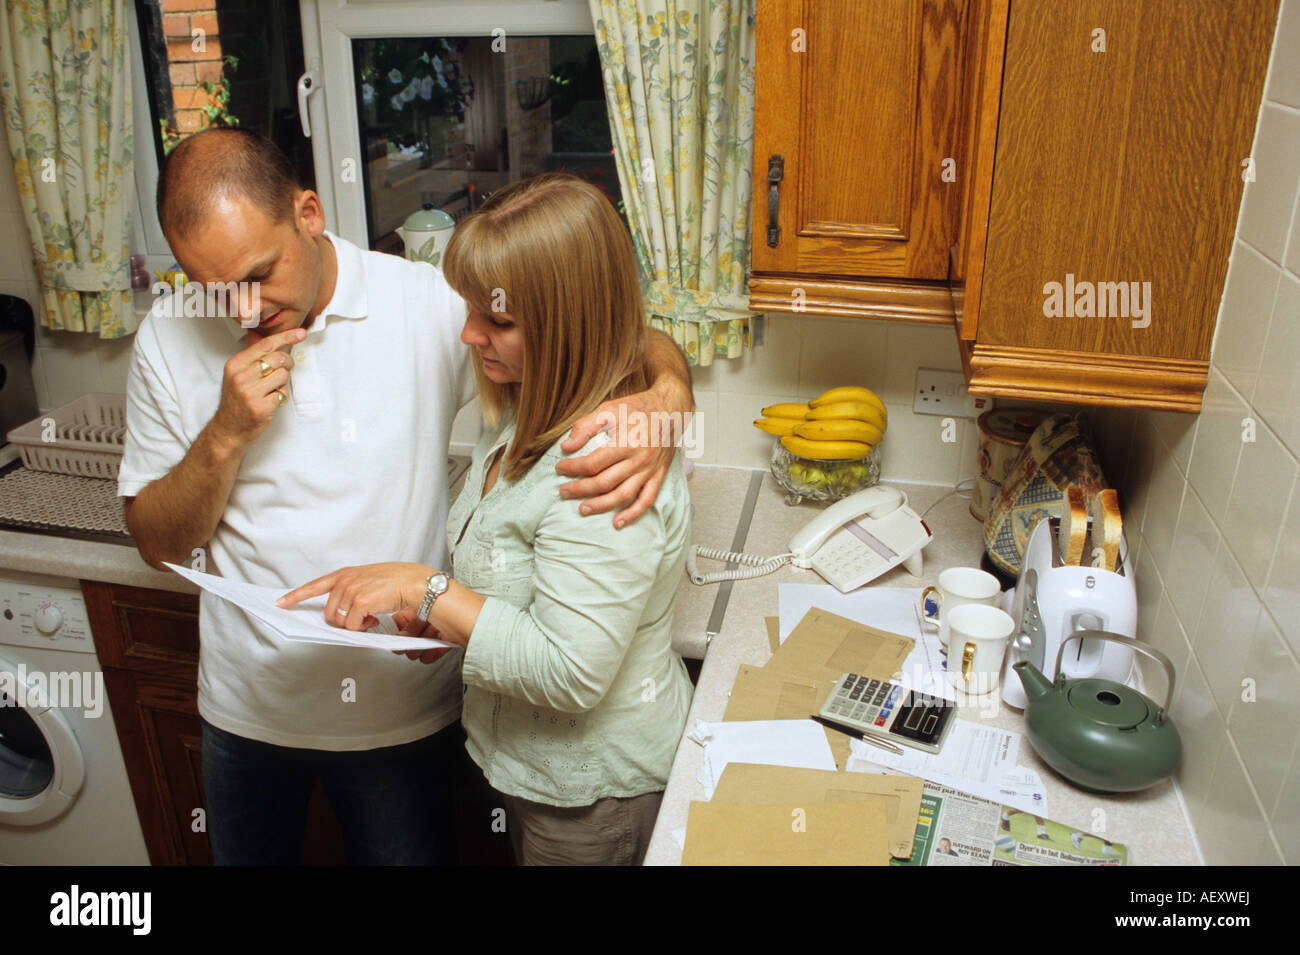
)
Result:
{"points": [[977, 640], [958, 586]]}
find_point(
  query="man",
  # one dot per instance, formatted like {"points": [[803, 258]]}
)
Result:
{"points": [[310, 433]]}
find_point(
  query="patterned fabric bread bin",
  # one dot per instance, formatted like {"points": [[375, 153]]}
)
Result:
{"points": [[1003, 433], [1057, 456]]}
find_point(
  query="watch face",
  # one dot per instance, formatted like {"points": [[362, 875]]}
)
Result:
{"points": [[438, 583]]}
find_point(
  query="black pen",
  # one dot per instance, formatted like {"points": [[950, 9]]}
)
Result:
{"points": [[858, 734]]}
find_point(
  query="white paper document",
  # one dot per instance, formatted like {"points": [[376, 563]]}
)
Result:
{"points": [[885, 608], [304, 622], [799, 743], [977, 759]]}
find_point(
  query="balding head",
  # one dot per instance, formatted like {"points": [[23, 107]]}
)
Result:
{"points": [[221, 164]]}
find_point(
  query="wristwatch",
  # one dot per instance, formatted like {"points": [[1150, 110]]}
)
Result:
{"points": [[437, 586]]}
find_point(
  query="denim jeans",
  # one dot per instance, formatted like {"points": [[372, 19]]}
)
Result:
{"points": [[393, 804]]}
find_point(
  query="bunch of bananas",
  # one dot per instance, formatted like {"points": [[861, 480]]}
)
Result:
{"points": [[844, 424]]}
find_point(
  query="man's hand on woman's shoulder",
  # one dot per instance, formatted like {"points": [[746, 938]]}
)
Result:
{"points": [[627, 472]]}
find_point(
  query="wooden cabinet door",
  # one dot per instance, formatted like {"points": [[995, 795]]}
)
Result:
{"points": [[860, 101], [1115, 190]]}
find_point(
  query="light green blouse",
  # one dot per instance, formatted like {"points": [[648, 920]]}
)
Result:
{"points": [[572, 689]]}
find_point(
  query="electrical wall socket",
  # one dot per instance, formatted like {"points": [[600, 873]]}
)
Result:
{"points": [[944, 393]]}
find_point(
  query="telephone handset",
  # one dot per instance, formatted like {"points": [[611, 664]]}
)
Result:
{"points": [[854, 541]]}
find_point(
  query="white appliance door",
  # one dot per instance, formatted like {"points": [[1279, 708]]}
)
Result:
{"points": [[328, 101], [41, 764]]}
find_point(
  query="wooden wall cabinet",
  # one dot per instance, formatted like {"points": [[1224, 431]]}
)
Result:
{"points": [[1061, 180], [1115, 174], [859, 102]]}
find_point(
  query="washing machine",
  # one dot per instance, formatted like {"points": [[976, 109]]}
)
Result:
{"points": [[64, 794]]}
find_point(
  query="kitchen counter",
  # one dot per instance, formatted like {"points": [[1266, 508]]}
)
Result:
{"points": [[113, 563], [84, 560], [1151, 823]]}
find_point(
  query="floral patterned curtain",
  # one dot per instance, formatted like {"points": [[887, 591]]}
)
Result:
{"points": [[679, 83], [66, 97]]}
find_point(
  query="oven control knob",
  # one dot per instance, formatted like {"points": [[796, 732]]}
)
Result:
{"points": [[48, 619]]}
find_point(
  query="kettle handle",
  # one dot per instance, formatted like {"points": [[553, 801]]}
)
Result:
{"points": [[1152, 652]]}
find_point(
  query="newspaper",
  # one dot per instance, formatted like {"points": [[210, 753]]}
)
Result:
{"points": [[956, 828]]}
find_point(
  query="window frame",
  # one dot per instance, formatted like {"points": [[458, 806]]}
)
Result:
{"points": [[328, 32], [327, 36]]}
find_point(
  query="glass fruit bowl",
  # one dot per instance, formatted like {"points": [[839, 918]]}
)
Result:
{"points": [[822, 482]]}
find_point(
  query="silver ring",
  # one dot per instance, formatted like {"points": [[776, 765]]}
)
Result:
{"points": [[342, 611]]}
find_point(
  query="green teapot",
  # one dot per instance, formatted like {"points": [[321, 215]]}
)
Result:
{"points": [[1101, 735]]}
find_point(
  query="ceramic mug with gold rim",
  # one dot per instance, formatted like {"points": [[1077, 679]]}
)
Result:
{"points": [[958, 586], [977, 641]]}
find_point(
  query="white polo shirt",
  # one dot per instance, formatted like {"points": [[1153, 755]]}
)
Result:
{"points": [[352, 470]]}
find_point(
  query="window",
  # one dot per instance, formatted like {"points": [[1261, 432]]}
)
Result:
{"points": [[203, 63], [448, 120], [534, 103]]}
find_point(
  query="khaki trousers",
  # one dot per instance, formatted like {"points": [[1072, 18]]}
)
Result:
{"points": [[611, 831]]}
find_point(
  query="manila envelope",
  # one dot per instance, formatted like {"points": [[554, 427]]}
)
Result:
{"points": [[833, 833], [773, 625], [761, 693], [824, 645], [787, 785]]}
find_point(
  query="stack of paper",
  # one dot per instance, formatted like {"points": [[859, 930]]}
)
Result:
{"points": [[784, 802]]}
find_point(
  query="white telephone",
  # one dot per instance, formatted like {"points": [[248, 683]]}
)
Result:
{"points": [[855, 540]]}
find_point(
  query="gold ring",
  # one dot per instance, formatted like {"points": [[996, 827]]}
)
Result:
{"points": [[283, 396], [266, 368]]}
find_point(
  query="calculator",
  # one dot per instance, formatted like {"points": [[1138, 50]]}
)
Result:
{"points": [[890, 711]]}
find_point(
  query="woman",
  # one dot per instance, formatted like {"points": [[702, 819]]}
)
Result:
{"points": [[574, 698]]}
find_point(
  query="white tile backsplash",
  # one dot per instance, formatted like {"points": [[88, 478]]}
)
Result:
{"points": [[1203, 731], [1191, 561], [1269, 701], [1284, 71], [842, 351], [1277, 389], [1213, 463], [1163, 503], [1178, 432], [71, 366], [1227, 623], [1266, 474], [912, 347], [1293, 247], [1269, 200], [772, 367], [1286, 816], [1282, 591], [1167, 636], [1243, 317], [1233, 830]]}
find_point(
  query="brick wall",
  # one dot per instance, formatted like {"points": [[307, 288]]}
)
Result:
{"points": [[528, 131], [188, 66]]}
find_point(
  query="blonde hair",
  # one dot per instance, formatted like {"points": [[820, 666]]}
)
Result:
{"points": [[552, 254]]}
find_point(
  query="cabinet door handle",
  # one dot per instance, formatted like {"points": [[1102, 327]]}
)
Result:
{"points": [[775, 173]]}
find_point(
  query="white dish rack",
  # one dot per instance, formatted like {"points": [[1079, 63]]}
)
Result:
{"points": [[84, 437]]}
